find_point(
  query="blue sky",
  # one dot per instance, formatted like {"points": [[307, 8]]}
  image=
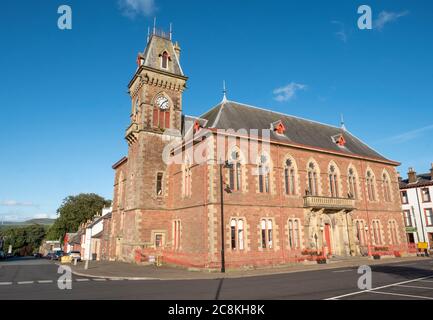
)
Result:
{"points": [[63, 100]]}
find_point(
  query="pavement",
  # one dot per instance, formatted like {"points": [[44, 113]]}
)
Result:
{"points": [[128, 271], [396, 279]]}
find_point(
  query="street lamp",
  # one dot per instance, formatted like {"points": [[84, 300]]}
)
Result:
{"points": [[222, 190]]}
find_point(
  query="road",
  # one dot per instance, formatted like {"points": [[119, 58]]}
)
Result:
{"points": [[37, 279]]}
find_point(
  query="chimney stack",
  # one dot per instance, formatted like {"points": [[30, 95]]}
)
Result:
{"points": [[177, 50], [399, 177], [412, 176]]}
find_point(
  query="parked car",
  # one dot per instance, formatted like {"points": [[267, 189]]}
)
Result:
{"points": [[37, 255], [57, 255], [2, 255], [75, 255], [49, 255]]}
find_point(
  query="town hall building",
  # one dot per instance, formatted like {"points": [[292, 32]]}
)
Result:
{"points": [[310, 187]]}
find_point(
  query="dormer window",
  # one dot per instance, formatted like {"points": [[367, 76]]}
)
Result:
{"points": [[339, 140], [278, 127], [165, 57]]}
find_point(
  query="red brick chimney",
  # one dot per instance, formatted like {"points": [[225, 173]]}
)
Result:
{"points": [[412, 176]]}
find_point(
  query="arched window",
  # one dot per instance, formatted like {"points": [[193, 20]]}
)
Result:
{"points": [[161, 112], [386, 188], [267, 233], [164, 60], [289, 178], [377, 232], [312, 180], [352, 184], [333, 182], [237, 234], [392, 225], [370, 186], [360, 232], [264, 174], [235, 171], [294, 239]]}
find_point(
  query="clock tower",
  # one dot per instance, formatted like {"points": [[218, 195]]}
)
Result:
{"points": [[156, 119]]}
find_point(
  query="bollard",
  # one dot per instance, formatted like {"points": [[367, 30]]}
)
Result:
{"points": [[75, 261]]}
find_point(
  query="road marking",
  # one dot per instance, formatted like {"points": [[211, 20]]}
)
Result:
{"points": [[342, 271], [99, 279], [45, 281], [5, 283], [117, 279], [378, 288], [426, 281], [82, 280], [401, 295], [26, 282], [415, 287]]}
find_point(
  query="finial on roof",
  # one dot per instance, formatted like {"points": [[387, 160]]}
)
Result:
{"points": [[171, 31], [224, 92], [343, 125], [148, 34], [154, 25]]}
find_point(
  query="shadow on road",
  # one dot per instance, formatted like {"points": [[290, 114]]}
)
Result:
{"points": [[407, 272]]}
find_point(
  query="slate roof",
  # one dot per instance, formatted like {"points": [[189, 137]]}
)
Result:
{"points": [[151, 55], [234, 115], [423, 180]]}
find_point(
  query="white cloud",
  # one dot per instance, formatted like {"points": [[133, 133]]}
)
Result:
{"points": [[341, 34], [386, 17], [408, 136], [14, 203], [288, 92], [133, 8]]}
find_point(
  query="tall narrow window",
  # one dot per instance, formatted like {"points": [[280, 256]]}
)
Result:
{"points": [[407, 218], [159, 183], [312, 180], [377, 232], [267, 233], [235, 172], [429, 217], [294, 239], [360, 232], [352, 184], [289, 177], [176, 234], [264, 174], [333, 182], [425, 195], [164, 60], [237, 234], [393, 231], [187, 179], [386, 188], [370, 187], [404, 198]]}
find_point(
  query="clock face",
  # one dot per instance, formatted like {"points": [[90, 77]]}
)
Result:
{"points": [[162, 102]]}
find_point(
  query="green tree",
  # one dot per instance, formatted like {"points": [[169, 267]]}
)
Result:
{"points": [[24, 240], [74, 211]]}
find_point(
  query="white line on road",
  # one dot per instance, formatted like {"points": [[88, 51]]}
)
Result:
{"points": [[45, 281], [416, 287], [26, 282], [82, 280], [99, 279], [5, 283], [400, 294], [426, 281], [339, 271], [378, 288]]}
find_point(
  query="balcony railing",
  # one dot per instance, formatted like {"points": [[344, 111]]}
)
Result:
{"points": [[329, 203]]}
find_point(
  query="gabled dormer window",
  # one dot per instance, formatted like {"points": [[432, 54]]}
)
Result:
{"points": [[165, 57]]}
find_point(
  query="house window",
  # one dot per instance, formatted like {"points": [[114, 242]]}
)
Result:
{"points": [[161, 118], [289, 178], [164, 60], [159, 177], [294, 240], [429, 217], [404, 198], [159, 240], [333, 182], [264, 174], [352, 184], [376, 232], [237, 234], [267, 233], [425, 195], [235, 172], [407, 218], [392, 225], [176, 234], [312, 180], [386, 188], [370, 186]]}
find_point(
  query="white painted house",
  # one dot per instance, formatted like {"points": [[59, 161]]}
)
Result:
{"points": [[91, 244], [417, 202]]}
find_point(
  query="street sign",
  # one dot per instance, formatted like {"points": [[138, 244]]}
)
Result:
{"points": [[411, 229], [422, 245]]}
